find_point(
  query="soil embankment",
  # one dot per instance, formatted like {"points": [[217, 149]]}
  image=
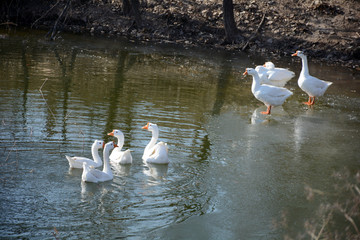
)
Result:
{"points": [[328, 30]]}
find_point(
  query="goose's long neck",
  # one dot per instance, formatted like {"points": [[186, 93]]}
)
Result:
{"points": [[154, 138], [95, 154], [305, 69], [121, 141], [256, 82], [107, 168]]}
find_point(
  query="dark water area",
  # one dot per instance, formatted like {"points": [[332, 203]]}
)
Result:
{"points": [[232, 171]]}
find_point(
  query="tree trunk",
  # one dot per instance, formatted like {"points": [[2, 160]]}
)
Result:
{"points": [[126, 7], [231, 30], [131, 7]]}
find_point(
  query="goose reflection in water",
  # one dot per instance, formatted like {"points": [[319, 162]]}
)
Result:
{"points": [[156, 171], [258, 118], [303, 127], [75, 172], [277, 114], [121, 169], [89, 190]]}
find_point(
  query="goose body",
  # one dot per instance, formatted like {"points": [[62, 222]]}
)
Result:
{"points": [[117, 156], [159, 154], [90, 174], [271, 75], [155, 152], [77, 162], [313, 86], [270, 95]]}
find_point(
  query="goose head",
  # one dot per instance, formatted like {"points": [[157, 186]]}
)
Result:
{"points": [[152, 127], [250, 71], [98, 144], [109, 146], [269, 65], [298, 54], [118, 134]]}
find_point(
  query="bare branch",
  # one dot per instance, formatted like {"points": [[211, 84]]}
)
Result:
{"points": [[254, 34], [44, 14]]}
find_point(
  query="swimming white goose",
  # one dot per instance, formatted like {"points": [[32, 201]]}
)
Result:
{"points": [[155, 152], [90, 174], [271, 75], [313, 86], [77, 162], [118, 156], [271, 96]]}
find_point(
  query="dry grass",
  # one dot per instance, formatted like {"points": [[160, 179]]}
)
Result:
{"points": [[339, 219]]}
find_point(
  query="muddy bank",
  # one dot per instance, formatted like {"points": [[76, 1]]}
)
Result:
{"points": [[328, 30]]}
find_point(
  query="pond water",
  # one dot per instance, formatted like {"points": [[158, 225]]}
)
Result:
{"points": [[232, 171]]}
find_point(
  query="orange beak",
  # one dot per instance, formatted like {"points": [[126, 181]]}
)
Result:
{"points": [[103, 144], [111, 134], [245, 73], [264, 65], [146, 126], [295, 54], [115, 145]]}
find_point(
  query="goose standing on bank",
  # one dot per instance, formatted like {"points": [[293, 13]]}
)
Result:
{"points": [[155, 152], [271, 96], [118, 156], [90, 174], [313, 86], [77, 162]]}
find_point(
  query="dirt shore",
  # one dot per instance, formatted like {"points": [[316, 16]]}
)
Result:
{"points": [[328, 30]]}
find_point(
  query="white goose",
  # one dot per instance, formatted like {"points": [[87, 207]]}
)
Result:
{"points": [[77, 162], [90, 174], [271, 75], [269, 95], [155, 152], [313, 86], [118, 156]]}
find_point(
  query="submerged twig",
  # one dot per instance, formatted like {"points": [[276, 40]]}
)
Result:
{"points": [[56, 233], [67, 115], [42, 95], [7, 158]]}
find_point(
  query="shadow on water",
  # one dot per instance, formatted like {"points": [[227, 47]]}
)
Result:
{"points": [[67, 75], [222, 84], [119, 99], [26, 83]]}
